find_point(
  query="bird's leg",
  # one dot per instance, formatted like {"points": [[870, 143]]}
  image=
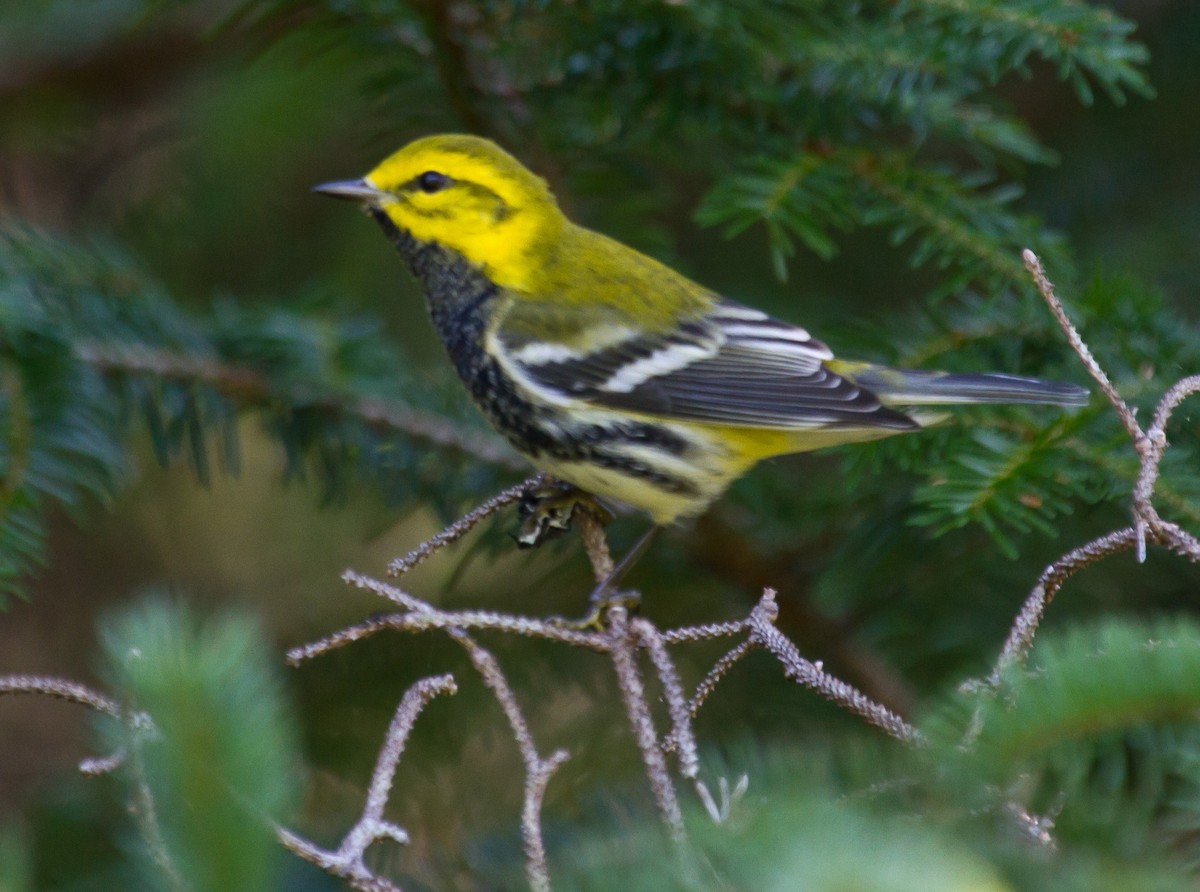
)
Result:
{"points": [[547, 509], [606, 592]]}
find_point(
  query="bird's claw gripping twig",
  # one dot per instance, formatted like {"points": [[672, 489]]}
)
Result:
{"points": [[547, 509], [596, 618]]}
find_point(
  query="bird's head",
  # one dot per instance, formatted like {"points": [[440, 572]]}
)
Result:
{"points": [[467, 194]]}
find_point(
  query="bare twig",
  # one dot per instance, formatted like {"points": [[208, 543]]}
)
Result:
{"points": [[719, 811], [144, 809], [1024, 627], [422, 616], [677, 703], [536, 868], [1046, 289], [348, 862], [621, 639], [595, 543], [72, 692], [705, 631], [633, 692], [764, 633], [1151, 445], [140, 726], [725, 551], [537, 770], [1151, 449], [95, 766], [60, 689], [719, 670], [461, 527]]}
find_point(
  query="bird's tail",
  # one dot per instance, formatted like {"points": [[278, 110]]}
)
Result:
{"points": [[910, 387]]}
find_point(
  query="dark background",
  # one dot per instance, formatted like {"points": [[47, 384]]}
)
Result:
{"points": [[193, 139]]}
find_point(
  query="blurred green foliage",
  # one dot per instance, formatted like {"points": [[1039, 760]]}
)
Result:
{"points": [[169, 290], [1105, 752], [210, 751]]}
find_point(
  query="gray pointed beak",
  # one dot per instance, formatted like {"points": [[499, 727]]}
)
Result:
{"points": [[352, 190]]}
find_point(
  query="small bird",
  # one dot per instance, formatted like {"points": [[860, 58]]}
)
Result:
{"points": [[611, 371]]}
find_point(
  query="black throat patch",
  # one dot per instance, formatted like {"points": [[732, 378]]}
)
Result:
{"points": [[461, 300]]}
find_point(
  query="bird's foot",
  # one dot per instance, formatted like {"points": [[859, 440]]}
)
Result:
{"points": [[602, 601], [547, 509]]}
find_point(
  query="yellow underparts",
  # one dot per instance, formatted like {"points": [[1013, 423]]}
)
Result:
{"points": [[719, 455]]}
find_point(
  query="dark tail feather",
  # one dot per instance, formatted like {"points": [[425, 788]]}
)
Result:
{"points": [[909, 387]]}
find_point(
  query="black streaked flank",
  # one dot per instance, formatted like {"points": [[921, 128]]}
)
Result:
{"points": [[460, 301]]}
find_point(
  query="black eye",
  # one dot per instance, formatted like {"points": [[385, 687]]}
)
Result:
{"points": [[432, 181]]}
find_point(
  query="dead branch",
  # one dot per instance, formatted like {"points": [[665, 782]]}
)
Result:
{"points": [[1046, 289], [422, 616], [678, 705], [60, 689], [537, 770], [724, 551], [140, 727], [1150, 445], [462, 526], [641, 722], [595, 544], [1025, 626], [622, 639], [347, 861], [72, 692]]}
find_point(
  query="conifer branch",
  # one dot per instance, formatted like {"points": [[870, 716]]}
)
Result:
{"points": [[250, 387]]}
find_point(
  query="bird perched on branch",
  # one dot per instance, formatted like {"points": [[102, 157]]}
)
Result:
{"points": [[608, 369]]}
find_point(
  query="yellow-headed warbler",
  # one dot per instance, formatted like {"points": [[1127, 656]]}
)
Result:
{"points": [[608, 369]]}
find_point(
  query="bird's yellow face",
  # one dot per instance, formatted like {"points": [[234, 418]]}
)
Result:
{"points": [[471, 196]]}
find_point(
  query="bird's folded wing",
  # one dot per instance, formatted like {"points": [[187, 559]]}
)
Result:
{"points": [[734, 365]]}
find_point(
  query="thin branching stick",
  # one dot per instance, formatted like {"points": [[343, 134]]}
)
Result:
{"points": [[72, 692], [813, 676], [422, 616], [1150, 445], [1151, 449], [140, 727], [60, 689], [1046, 289], [348, 861], [537, 770], [682, 737], [621, 639], [641, 721], [462, 526], [1025, 626]]}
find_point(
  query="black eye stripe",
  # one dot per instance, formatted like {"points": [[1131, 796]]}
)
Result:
{"points": [[431, 181]]}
